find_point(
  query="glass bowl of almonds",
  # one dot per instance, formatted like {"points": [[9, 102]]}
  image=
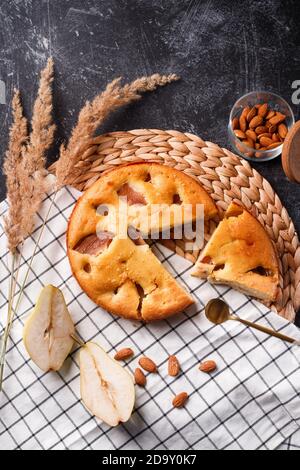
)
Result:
{"points": [[258, 125]]}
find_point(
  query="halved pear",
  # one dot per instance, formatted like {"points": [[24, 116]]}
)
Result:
{"points": [[107, 389], [47, 331]]}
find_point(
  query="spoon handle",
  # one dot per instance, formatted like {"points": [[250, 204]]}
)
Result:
{"points": [[266, 330]]}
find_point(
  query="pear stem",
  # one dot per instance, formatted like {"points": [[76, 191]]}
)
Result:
{"points": [[78, 341]]}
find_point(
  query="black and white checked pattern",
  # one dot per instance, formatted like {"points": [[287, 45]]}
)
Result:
{"points": [[250, 402]]}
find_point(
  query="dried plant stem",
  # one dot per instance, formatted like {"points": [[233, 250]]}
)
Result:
{"points": [[25, 170], [36, 245], [16, 276], [4, 338], [33, 181], [42, 134], [12, 169], [13, 221]]}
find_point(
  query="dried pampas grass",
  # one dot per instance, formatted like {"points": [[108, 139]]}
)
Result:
{"points": [[25, 162], [42, 133], [12, 170], [33, 182], [13, 221], [25, 170], [93, 115]]}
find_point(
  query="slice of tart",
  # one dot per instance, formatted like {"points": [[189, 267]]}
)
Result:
{"points": [[240, 254], [128, 280]]}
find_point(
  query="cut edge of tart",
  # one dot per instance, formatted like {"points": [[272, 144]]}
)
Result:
{"points": [[241, 255]]}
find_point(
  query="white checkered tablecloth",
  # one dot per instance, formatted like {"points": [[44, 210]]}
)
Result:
{"points": [[250, 402]]}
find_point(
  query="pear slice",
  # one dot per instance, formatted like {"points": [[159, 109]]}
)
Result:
{"points": [[47, 331], [107, 389]]}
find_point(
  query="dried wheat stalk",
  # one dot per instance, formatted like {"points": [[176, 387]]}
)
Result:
{"points": [[94, 113]]}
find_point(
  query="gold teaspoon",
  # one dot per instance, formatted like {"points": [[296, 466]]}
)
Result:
{"points": [[217, 312]]}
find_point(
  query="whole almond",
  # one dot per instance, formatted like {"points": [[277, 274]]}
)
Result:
{"points": [[263, 110], [123, 354], [261, 130], [266, 141], [147, 364], [282, 130], [266, 134], [252, 113], [251, 134], [277, 119], [208, 366], [235, 123], [255, 122], [249, 142], [275, 138], [239, 134], [270, 115], [243, 123], [173, 366], [180, 400], [272, 129], [139, 377], [257, 146], [274, 145], [245, 111]]}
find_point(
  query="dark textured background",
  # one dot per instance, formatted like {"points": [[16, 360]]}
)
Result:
{"points": [[221, 49]]}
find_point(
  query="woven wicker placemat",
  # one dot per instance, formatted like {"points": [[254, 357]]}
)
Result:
{"points": [[224, 175]]}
